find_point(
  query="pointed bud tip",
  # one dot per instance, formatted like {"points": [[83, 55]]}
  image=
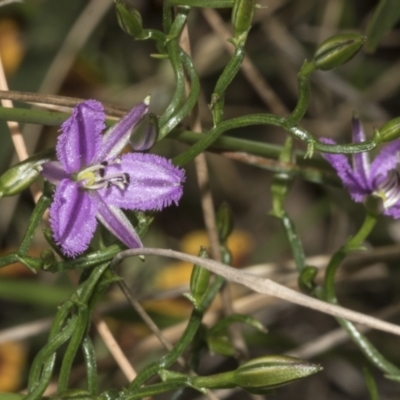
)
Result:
{"points": [[147, 100], [389, 131], [338, 50], [267, 372]]}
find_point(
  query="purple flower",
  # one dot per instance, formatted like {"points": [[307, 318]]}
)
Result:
{"points": [[94, 182], [380, 178]]}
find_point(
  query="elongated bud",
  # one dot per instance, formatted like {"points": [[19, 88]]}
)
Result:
{"points": [[145, 134], [242, 17], [337, 50], [22, 175], [129, 18], [260, 375], [264, 373], [390, 130], [224, 221], [199, 280]]}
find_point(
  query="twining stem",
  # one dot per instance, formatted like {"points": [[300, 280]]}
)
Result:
{"points": [[279, 189], [268, 119], [353, 243], [304, 89], [191, 100], [230, 71], [174, 54], [366, 347], [206, 140]]}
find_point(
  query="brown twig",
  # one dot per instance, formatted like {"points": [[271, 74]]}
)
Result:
{"points": [[51, 99], [265, 286]]}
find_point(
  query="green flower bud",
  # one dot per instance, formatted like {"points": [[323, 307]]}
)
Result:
{"points": [[242, 17], [22, 175], [259, 375], [199, 280], [129, 18], [390, 130], [264, 373], [337, 50], [224, 221], [145, 134]]}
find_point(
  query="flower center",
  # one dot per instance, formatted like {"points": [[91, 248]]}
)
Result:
{"points": [[94, 177], [389, 189]]}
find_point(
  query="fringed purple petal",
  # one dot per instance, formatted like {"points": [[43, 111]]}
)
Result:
{"points": [[393, 211], [117, 136], [80, 141], [117, 223], [350, 179], [72, 218], [385, 161], [54, 172], [361, 163], [154, 183]]}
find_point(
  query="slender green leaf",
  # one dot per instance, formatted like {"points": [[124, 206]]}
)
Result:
{"points": [[33, 292], [386, 15]]}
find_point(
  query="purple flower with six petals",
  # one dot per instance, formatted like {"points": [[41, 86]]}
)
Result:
{"points": [[94, 182], [380, 178]]}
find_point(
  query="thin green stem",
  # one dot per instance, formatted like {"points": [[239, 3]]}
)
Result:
{"points": [[209, 138], [155, 389], [268, 119], [280, 188], [367, 348], [184, 341], [34, 221], [191, 100], [294, 241], [81, 325], [352, 244], [174, 54], [32, 116], [9, 259], [304, 89], [205, 140], [230, 71], [89, 260]]}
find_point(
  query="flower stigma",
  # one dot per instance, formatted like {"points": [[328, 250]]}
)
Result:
{"points": [[94, 177]]}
